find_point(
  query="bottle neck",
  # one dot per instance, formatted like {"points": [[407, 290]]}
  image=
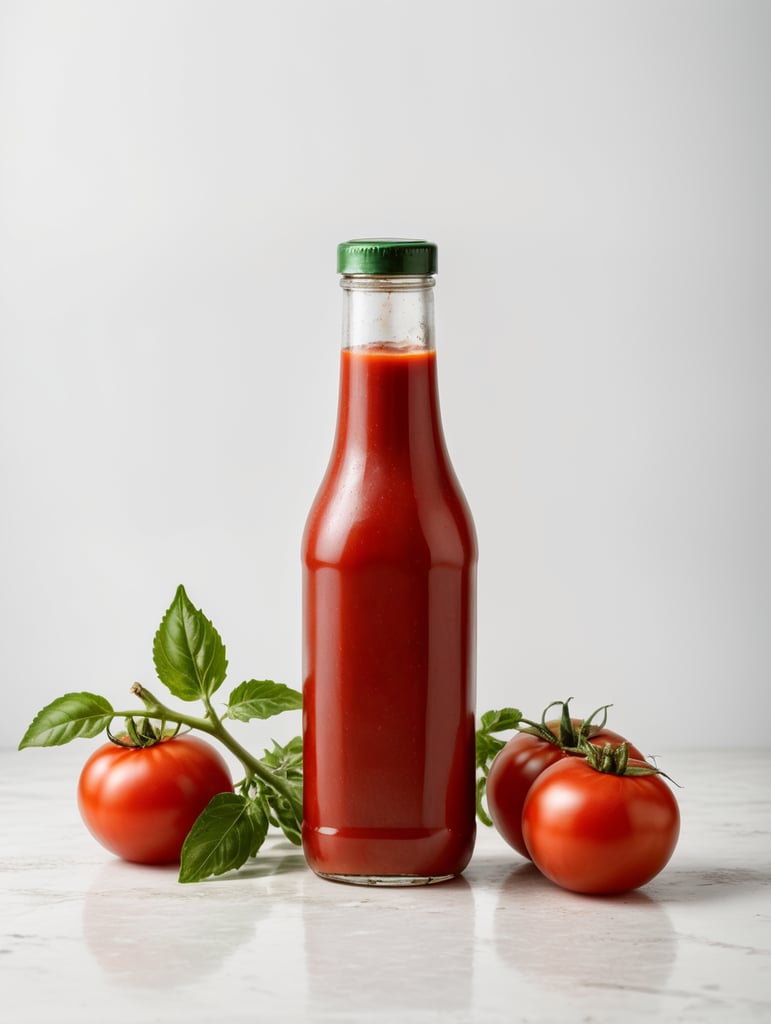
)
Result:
{"points": [[396, 312], [388, 389]]}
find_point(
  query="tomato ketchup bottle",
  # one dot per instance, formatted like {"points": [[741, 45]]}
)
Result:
{"points": [[389, 580]]}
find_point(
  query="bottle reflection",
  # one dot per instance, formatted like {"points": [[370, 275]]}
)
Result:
{"points": [[569, 940], [377, 948]]}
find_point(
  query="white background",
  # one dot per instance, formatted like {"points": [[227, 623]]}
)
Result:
{"points": [[174, 178]]}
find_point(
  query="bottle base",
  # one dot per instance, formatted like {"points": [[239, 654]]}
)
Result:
{"points": [[386, 881], [387, 856]]}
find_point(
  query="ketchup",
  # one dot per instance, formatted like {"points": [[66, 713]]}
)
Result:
{"points": [[389, 556]]}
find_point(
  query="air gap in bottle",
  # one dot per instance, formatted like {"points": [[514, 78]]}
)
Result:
{"points": [[389, 609]]}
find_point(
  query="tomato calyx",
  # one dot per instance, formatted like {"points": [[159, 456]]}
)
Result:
{"points": [[609, 760], [568, 738], [146, 732]]}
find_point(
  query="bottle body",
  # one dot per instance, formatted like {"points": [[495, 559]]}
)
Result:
{"points": [[389, 576]]}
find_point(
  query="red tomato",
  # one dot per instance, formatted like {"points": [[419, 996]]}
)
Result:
{"points": [[519, 763], [140, 802], [594, 832]]}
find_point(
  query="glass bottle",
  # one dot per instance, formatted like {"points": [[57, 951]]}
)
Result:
{"points": [[389, 582]]}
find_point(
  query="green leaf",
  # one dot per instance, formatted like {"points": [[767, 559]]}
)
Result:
{"points": [[500, 721], [229, 830], [486, 748], [260, 824], [67, 718], [261, 698], [188, 652], [286, 760], [484, 817], [286, 812], [285, 815]]}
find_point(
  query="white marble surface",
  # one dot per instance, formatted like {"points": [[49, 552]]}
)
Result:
{"points": [[86, 938]]}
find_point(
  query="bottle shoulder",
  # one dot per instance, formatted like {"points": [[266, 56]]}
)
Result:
{"points": [[380, 508]]}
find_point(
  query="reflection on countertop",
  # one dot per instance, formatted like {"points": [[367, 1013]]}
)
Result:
{"points": [[378, 948], [571, 941], [85, 937], [133, 930]]}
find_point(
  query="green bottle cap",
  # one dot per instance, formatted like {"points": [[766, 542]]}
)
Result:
{"points": [[391, 256]]}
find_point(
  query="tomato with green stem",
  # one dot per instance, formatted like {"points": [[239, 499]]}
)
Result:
{"points": [[536, 747], [600, 824], [146, 815], [140, 802]]}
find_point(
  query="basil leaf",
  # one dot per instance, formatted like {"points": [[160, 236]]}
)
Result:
{"points": [[296, 804], [222, 838], [500, 721], [486, 748], [285, 811], [260, 824], [188, 653], [285, 815], [484, 817], [287, 760], [261, 698], [67, 718]]}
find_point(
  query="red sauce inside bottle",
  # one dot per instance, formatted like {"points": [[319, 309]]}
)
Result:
{"points": [[389, 588]]}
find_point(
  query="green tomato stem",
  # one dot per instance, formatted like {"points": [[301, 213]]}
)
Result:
{"points": [[213, 727]]}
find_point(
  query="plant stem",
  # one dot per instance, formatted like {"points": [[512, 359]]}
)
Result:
{"points": [[213, 727]]}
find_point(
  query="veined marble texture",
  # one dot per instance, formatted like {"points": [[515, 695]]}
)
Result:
{"points": [[87, 938]]}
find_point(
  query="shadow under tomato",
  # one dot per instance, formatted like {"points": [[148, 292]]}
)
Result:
{"points": [[684, 882], [570, 940], [144, 929]]}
